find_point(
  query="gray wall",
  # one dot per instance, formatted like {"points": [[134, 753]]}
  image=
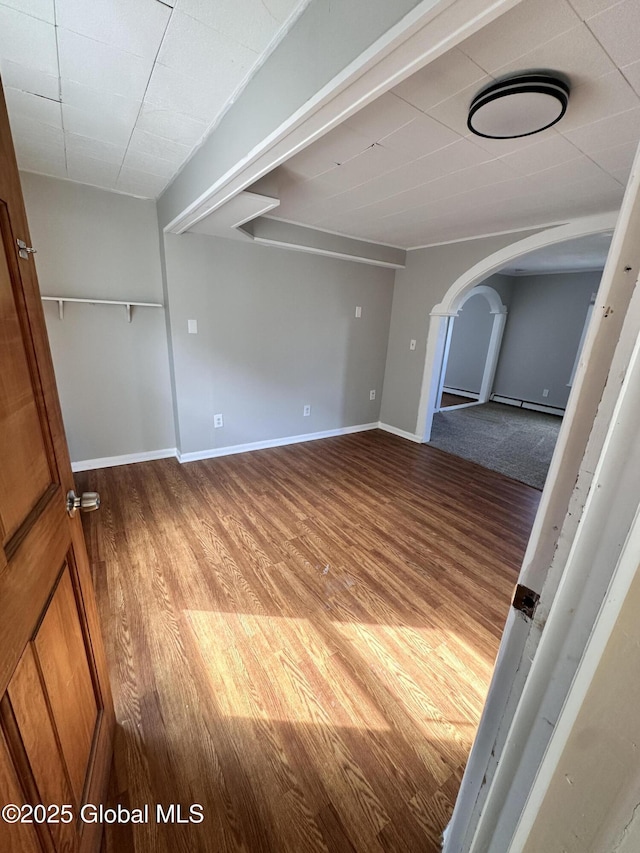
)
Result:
{"points": [[419, 288], [113, 377], [276, 330], [543, 330], [470, 338]]}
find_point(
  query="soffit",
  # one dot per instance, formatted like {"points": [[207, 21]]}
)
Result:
{"points": [[406, 171], [119, 93]]}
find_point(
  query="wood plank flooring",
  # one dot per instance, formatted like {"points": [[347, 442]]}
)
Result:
{"points": [[301, 639]]}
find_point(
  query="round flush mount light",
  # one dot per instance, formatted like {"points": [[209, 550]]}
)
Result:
{"points": [[518, 106]]}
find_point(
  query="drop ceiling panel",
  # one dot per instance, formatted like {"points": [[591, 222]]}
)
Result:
{"points": [[30, 80], [542, 155], [42, 9], [598, 135], [133, 27], [583, 58], [440, 80], [530, 23], [143, 142], [33, 107], [421, 136], [173, 126], [618, 31], [598, 99], [29, 41], [384, 116], [632, 74], [102, 67], [139, 183], [241, 20], [136, 74], [96, 149], [106, 127], [143, 162], [89, 170], [209, 54]]}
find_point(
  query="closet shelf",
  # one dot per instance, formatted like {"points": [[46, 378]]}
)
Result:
{"points": [[128, 304]]}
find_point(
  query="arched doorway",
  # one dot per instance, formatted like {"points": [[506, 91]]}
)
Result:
{"points": [[472, 346], [442, 313]]}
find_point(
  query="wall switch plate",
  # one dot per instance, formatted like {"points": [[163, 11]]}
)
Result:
{"points": [[372, 395], [306, 411], [412, 345], [358, 311], [192, 326], [545, 393], [218, 421]]}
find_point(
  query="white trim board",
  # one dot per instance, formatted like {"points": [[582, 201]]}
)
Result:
{"points": [[126, 459], [401, 433], [230, 450]]}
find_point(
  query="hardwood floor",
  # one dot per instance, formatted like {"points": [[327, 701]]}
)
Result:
{"points": [[301, 640], [448, 399]]}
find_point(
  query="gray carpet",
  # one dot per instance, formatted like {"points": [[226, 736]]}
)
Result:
{"points": [[516, 442]]}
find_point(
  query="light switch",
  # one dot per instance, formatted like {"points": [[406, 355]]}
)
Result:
{"points": [[192, 325], [358, 311], [412, 345]]}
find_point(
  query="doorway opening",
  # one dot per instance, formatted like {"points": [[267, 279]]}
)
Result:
{"points": [[510, 347]]}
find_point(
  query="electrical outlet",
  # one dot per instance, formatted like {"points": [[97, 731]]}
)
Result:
{"points": [[218, 421], [412, 345], [358, 311], [192, 327], [306, 411], [545, 393], [372, 395]]}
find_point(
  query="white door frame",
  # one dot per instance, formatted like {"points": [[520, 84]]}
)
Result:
{"points": [[499, 312], [520, 711]]}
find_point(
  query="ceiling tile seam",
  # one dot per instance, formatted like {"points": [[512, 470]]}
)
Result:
{"points": [[64, 135], [595, 14], [280, 33], [619, 68], [221, 33], [26, 14], [144, 94]]}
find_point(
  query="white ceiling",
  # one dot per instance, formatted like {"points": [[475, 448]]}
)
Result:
{"points": [[406, 171], [583, 253], [118, 93]]}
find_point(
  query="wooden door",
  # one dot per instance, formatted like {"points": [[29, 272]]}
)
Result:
{"points": [[56, 712]]}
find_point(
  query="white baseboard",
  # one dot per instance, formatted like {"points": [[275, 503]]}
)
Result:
{"points": [[127, 459], [523, 404], [215, 452], [411, 436], [457, 393]]}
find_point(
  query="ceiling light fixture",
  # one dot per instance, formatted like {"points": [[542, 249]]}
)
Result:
{"points": [[518, 105]]}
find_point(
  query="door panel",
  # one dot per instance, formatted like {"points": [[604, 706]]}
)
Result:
{"points": [[24, 474], [62, 657], [38, 737], [56, 713], [14, 838]]}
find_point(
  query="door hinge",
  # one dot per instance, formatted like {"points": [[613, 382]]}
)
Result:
{"points": [[525, 600], [24, 251]]}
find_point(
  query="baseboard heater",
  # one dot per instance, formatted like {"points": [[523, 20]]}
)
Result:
{"points": [[525, 404]]}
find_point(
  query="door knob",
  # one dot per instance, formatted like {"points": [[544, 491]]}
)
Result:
{"points": [[86, 502]]}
